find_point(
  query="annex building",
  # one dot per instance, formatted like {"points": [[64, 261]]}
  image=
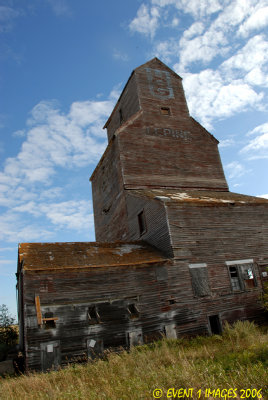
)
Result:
{"points": [[176, 252]]}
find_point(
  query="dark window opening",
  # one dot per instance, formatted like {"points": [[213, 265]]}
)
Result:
{"points": [[49, 321], [121, 119], [235, 281], [215, 325], [142, 224], [93, 315], [171, 301], [165, 110], [133, 311]]}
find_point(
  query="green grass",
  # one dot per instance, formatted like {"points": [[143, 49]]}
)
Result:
{"points": [[236, 360]]}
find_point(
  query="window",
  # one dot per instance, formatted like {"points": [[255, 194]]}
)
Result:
{"points": [[235, 281], [93, 315], [165, 111], [242, 275], [49, 320], [121, 119], [141, 221], [200, 282], [133, 311]]}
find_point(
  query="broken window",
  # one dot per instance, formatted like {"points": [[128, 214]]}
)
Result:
{"points": [[49, 320], [200, 282], [248, 276], [235, 281], [165, 110], [242, 275], [141, 221], [93, 315], [133, 311]]}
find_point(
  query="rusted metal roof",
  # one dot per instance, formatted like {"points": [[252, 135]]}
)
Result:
{"points": [[54, 256], [199, 197]]}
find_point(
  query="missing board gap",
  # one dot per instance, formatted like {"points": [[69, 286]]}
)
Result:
{"points": [[142, 223], [165, 111]]}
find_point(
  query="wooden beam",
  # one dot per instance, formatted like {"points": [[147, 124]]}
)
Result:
{"points": [[38, 310], [50, 319]]}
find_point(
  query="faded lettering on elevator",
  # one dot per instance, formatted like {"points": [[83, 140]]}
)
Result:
{"points": [[169, 132]]}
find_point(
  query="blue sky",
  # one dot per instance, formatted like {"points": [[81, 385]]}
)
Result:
{"points": [[63, 64]]}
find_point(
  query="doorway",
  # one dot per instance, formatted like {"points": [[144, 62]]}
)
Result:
{"points": [[215, 324]]}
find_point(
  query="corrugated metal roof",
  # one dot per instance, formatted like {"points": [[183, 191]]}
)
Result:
{"points": [[201, 197], [53, 256]]}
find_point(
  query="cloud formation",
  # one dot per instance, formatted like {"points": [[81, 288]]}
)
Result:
{"points": [[257, 148], [54, 142], [224, 43]]}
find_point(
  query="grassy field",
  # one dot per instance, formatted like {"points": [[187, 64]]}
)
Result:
{"points": [[236, 361]]}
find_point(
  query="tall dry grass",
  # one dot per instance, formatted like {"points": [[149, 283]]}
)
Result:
{"points": [[238, 359]]}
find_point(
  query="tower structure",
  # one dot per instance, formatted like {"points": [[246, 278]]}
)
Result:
{"points": [[153, 143]]}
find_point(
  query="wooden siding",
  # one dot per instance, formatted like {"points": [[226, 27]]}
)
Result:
{"points": [[162, 293], [157, 230], [218, 232], [127, 105], [167, 150], [108, 197]]}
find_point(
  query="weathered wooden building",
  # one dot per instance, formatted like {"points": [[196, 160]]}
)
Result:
{"points": [[176, 252]]}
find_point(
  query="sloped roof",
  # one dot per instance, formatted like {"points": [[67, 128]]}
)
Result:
{"points": [[58, 256], [198, 197], [148, 63]]}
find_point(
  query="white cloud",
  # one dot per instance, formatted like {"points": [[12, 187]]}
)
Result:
{"points": [[257, 20], [60, 7], [201, 48], [233, 13], [119, 55], [7, 15], [15, 229], [76, 215], [196, 8], [265, 196], [226, 143], [53, 140], [19, 133], [257, 148], [253, 55], [195, 29], [165, 50], [70, 214], [8, 248], [236, 170], [146, 21], [259, 129], [217, 98]]}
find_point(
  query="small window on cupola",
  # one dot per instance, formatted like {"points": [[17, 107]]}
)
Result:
{"points": [[165, 110], [121, 119]]}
